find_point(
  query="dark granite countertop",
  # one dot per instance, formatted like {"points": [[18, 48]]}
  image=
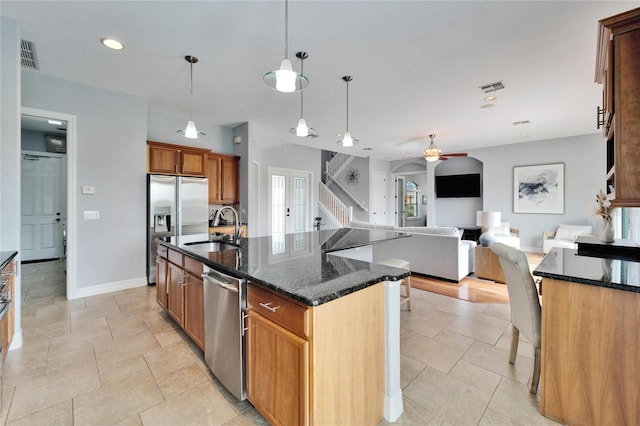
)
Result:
{"points": [[567, 265], [299, 266], [6, 257]]}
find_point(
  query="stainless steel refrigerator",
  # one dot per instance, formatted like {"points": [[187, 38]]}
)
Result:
{"points": [[176, 205]]}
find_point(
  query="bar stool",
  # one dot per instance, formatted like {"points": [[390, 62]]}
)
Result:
{"points": [[406, 282]]}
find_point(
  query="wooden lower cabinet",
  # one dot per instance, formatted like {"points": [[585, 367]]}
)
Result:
{"points": [[161, 281], [194, 309], [7, 324], [175, 302], [277, 372], [590, 344], [180, 291], [316, 365]]}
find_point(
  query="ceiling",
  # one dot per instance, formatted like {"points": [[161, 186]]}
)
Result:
{"points": [[417, 65]]}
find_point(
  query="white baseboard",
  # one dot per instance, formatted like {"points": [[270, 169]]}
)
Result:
{"points": [[108, 287], [17, 340]]}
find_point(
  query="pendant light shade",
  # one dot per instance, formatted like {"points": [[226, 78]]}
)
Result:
{"points": [[432, 153], [285, 79], [190, 130], [302, 130], [347, 140]]}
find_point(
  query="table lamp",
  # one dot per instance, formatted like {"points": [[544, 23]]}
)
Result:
{"points": [[488, 220]]}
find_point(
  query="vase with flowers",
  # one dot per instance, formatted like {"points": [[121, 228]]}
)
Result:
{"points": [[603, 209]]}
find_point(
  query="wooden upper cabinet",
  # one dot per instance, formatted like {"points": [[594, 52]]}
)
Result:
{"points": [[618, 70], [223, 174], [171, 159]]}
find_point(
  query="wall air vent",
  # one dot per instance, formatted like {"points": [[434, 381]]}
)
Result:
{"points": [[28, 56], [492, 87]]}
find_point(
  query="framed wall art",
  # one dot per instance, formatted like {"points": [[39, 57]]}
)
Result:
{"points": [[538, 189]]}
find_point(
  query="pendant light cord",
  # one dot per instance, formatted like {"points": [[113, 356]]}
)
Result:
{"points": [[286, 29], [347, 105], [302, 91], [191, 92]]}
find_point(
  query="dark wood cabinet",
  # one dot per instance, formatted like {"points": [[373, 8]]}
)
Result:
{"points": [[223, 175], [618, 70], [163, 158]]}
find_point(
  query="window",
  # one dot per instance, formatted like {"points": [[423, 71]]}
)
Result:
{"points": [[411, 199]]}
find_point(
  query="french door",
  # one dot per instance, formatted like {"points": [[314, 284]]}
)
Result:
{"points": [[290, 201]]}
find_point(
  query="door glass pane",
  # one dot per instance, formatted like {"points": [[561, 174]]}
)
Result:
{"points": [[299, 204], [278, 205]]}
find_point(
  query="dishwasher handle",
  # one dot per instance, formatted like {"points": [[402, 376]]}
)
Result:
{"points": [[224, 285]]}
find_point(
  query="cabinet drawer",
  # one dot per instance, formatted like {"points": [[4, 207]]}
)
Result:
{"points": [[278, 309], [175, 257], [162, 251], [193, 266]]}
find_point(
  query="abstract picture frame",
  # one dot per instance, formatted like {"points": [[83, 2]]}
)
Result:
{"points": [[538, 189]]}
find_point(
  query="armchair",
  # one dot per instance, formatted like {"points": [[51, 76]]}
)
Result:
{"points": [[507, 235], [564, 236]]}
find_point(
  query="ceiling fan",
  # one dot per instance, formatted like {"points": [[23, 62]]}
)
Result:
{"points": [[433, 153]]}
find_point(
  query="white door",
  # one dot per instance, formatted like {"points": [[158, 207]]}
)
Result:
{"points": [[379, 198], [290, 201], [43, 207]]}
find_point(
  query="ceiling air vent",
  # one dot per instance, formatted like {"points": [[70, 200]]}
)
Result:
{"points": [[492, 87], [28, 56], [519, 123]]}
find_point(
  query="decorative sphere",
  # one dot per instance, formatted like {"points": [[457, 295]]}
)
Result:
{"points": [[486, 239]]}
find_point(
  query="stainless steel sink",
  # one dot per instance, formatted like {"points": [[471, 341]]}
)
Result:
{"points": [[211, 246]]}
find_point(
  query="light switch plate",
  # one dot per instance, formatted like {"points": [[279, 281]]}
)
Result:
{"points": [[88, 189], [91, 214]]}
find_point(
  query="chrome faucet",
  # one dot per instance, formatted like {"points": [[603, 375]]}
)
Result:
{"points": [[235, 239]]}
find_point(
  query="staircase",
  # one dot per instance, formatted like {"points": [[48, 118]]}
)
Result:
{"points": [[339, 211]]}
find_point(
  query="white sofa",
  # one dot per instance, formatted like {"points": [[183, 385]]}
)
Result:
{"points": [[435, 251], [564, 237]]}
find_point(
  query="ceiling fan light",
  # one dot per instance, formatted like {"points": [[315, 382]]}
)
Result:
{"points": [[190, 131], [302, 130], [347, 140]]}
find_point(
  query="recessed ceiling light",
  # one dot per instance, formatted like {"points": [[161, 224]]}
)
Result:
{"points": [[523, 135], [55, 122], [483, 106], [490, 98], [112, 43]]}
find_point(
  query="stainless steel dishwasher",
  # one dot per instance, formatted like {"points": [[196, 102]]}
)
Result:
{"points": [[225, 302]]}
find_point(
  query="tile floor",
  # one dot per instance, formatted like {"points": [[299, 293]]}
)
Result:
{"points": [[118, 359]]}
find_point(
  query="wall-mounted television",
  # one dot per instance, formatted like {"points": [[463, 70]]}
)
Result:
{"points": [[458, 186]]}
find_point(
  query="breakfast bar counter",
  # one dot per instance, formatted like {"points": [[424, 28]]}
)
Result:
{"points": [[590, 339]]}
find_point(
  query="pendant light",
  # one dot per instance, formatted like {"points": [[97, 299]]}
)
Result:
{"points": [[347, 140], [432, 153], [285, 79], [190, 130], [302, 130]]}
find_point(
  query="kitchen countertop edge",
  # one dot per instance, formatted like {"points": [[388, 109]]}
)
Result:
{"points": [[576, 278], [391, 275]]}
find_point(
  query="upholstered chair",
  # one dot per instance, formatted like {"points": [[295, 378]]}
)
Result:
{"points": [[525, 305]]}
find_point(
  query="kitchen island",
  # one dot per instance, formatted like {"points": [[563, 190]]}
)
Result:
{"points": [[590, 339], [322, 331]]}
